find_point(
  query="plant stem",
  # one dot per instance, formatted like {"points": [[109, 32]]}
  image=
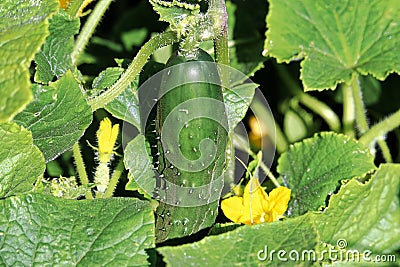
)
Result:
{"points": [[380, 129], [88, 29], [264, 167], [349, 116], [157, 41], [114, 179], [81, 169], [309, 101], [385, 150], [220, 18], [361, 118], [222, 58]]}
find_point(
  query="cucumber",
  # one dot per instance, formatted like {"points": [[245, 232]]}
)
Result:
{"points": [[191, 127]]}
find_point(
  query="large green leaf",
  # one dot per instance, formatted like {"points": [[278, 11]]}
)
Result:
{"points": [[53, 59], [335, 38], [365, 215], [313, 168], [237, 100], [247, 246], [21, 163], [23, 27], [245, 22], [140, 167], [57, 117], [41, 230], [174, 12]]}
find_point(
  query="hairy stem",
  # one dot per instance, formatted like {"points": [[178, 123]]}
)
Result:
{"points": [[318, 107], [220, 18], [380, 129], [349, 116], [385, 150], [361, 118], [88, 29], [114, 179], [81, 169], [157, 41]]}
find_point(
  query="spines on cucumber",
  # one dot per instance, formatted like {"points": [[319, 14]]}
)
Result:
{"points": [[191, 127]]}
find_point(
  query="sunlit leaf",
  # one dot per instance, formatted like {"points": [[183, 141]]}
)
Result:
{"points": [[335, 39]]}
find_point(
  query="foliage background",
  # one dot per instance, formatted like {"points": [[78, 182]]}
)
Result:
{"points": [[360, 191]]}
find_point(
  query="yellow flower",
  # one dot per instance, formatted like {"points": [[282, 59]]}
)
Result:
{"points": [[255, 206], [106, 137], [64, 3]]}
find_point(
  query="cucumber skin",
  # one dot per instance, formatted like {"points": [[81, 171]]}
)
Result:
{"points": [[175, 221]]}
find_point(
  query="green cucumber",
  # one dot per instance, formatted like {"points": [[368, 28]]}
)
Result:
{"points": [[191, 128]]}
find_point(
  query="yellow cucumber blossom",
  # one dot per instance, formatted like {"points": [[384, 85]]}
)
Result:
{"points": [[256, 206], [106, 138]]}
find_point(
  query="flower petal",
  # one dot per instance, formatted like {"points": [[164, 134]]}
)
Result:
{"points": [[255, 199], [278, 200], [233, 208], [106, 137]]}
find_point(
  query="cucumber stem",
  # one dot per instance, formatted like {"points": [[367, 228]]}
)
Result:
{"points": [[218, 14], [88, 29], [114, 179], [361, 117], [157, 41], [349, 115], [80, 166], [381, 128]]}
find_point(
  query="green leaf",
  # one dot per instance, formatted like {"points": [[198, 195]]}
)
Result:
{"points": [[21, 163], [361, 263], [237, 100], [134, 37], [57, 117], [313, 168], [245, 245], [107, 78], [48, 231], [53, 59], [174, 11], [335, 39], [140, 168], [245, 22], [126, 105], [366, 215], [23, 27]]}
